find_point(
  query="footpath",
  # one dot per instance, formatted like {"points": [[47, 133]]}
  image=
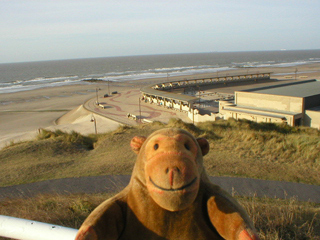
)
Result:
{"points": [[117, 107], [114, 183]]}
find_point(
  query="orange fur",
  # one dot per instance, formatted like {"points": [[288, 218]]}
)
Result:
{"points": [[169, 197]]}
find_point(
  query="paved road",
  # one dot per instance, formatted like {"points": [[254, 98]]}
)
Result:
{"points": [[114, 183], [119, 105]]}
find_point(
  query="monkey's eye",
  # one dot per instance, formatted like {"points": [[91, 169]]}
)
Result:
{"points": [[156, 146], [187, 146]]}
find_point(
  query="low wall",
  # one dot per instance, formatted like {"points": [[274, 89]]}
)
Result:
{"points": [[312, 119], [196, 117]]}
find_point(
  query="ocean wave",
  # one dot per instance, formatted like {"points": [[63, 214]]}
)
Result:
{"points": [[27, 85], [17, 88], [273, 64], [289, 64], [157, 73], [52, 79], [127, 74], [167, 72]]}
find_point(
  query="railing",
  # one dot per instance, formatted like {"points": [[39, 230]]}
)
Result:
{"points": [[23, 229]]}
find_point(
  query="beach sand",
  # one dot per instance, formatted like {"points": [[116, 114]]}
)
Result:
{"points": [[23, 113]]}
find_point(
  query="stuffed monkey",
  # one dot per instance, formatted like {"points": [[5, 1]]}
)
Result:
{"points": [[169, 197]]}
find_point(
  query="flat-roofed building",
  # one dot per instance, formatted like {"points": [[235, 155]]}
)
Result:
{"points": [[167, 99], [296, 103], [160, 93]]}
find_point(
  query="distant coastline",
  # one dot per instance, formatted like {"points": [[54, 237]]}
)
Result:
{"points": [[17, 77]]}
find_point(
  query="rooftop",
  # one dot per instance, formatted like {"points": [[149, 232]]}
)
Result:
{"points": [[295, 89], [181, 97]]}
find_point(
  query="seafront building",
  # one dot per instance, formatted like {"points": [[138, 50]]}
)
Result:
{"points": [[295, 103]]}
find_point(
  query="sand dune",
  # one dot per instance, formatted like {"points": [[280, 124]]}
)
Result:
{"points": [[80, 120], [28, 111]]}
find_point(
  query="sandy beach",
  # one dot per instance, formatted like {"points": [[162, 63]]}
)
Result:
{"points": [[23, 113]]}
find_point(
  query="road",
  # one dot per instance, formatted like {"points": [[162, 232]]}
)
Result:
{"points": [[119, 105]]}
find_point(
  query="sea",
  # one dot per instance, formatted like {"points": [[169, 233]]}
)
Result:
{"points": [[15, 77]]}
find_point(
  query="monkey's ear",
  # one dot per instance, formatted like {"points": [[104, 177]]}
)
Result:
{"points": [[204, 145], [136, 143]]}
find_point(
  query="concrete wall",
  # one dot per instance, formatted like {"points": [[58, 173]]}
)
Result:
{"points": [[174, 104], [312, 101], [151, 100], [255, 117], [271, 102], [185, 107], [312, 119], [230, 110], [196, 117], [260, 118]]}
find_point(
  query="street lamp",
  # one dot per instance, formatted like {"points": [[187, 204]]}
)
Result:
{"points": [[140, 109], [97, 89], [93, 119], [199, 96]]}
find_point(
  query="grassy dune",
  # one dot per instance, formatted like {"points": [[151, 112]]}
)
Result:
{"points": [[238, 148], [274, 219]]}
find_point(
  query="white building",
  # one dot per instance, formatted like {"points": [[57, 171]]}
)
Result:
{"points": [[296, 104]]}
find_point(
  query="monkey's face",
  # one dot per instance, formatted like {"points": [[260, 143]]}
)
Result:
{"points": [[171, 166], [171, 171]]}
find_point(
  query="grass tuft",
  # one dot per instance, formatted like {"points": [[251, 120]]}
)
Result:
{"points": [[280, 219], [275, 219], [68, 138], [237, 148]]}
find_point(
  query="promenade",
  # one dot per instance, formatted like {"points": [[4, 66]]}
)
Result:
{"points": [[126, 101], [117, 106]]}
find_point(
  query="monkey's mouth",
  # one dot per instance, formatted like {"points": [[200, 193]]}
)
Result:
{"points": [[174, 189]]}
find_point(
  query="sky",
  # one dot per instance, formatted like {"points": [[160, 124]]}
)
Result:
{"points": [[36, 30]]}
